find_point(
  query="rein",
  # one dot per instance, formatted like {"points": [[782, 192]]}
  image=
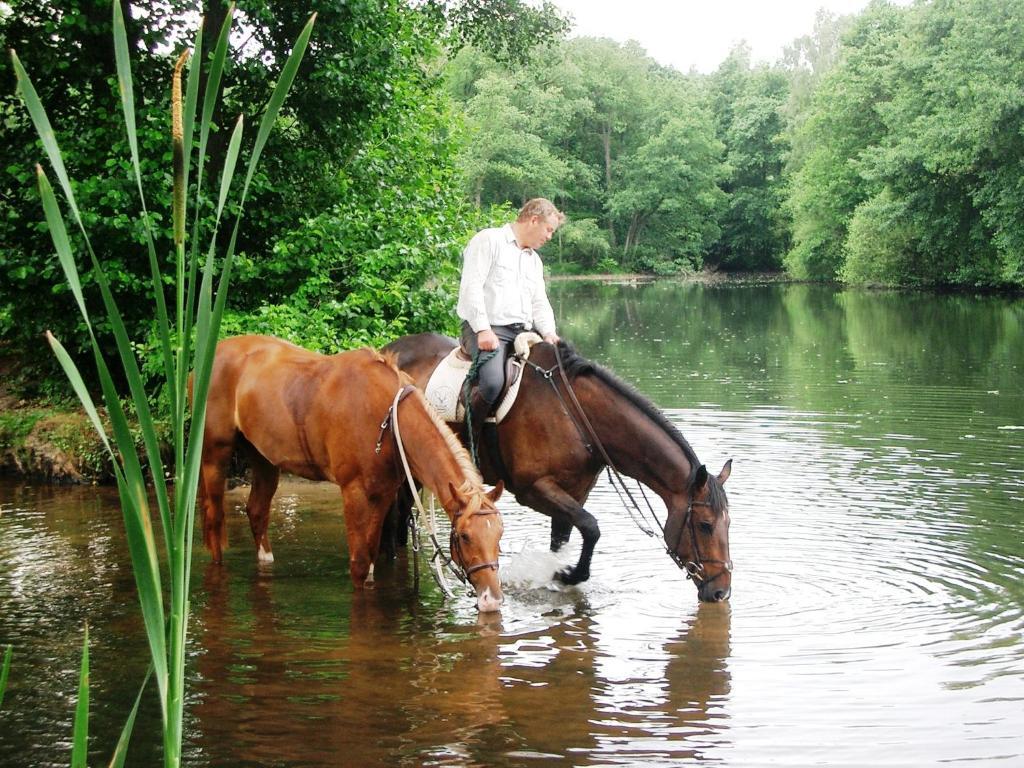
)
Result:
{"points": [[694, 568], [438, 560]]}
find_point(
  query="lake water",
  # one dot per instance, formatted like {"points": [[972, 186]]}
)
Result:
{"points": [[877, 614]]}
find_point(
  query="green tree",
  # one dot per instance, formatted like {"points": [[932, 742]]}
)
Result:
{"points": [[843, 121], [749, 106], [614, 79], [948, 170], [367, 99], [506, 157], [507, 30], [668, 191]]}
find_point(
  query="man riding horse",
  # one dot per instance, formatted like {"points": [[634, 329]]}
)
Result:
{"points": [[502, 294]]}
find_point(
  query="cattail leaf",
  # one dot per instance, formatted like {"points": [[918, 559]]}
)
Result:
{"points": [[229, 166], [46, 134], [121, 750], [137, 388], [59, 235], [284, 83], [4, 670], [124, 81], [220, 55], [78, 385], [125, 88], [80, 739]]}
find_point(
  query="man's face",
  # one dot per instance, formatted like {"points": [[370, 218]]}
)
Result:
{"points": [[539, 230]]}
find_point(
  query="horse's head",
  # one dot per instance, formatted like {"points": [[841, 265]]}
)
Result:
{"points": [[697, 535], [476, 533]]}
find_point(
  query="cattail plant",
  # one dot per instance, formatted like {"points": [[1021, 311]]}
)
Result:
{"points": [[4, 669], [187, 342]]}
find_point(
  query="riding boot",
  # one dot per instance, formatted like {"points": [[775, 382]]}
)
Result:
{"points": [[476, 415]]}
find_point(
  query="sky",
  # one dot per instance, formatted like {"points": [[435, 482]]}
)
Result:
{"points": [[699, 34]]}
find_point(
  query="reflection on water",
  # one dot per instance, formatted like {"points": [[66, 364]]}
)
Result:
{"points": [[877, 612]]}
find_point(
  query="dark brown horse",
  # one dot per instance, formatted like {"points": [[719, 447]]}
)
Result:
{"points": [[550, 457], [330, 418]]}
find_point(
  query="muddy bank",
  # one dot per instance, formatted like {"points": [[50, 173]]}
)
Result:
{"points": [[48, 445]]}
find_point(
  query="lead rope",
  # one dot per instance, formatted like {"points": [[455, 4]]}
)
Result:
{"points": [[438, 561]]}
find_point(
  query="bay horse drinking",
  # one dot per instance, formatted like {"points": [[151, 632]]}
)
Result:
{"points": [[562, 431], [324, 418]]}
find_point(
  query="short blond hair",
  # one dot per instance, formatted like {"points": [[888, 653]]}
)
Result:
{"points": [[541, 208]]}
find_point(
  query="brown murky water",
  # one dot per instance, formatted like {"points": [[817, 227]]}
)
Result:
{"points": [[877, 614]]}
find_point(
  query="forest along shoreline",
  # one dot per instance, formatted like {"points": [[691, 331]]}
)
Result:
{"points": [[51, 440]]}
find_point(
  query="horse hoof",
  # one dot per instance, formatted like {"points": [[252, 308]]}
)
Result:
{"points": [[571, 576]]}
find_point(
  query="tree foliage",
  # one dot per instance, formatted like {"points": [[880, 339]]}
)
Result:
{"points": [[917, 151], [884, 147], [354, 215], [749, 107], [616, 140]]}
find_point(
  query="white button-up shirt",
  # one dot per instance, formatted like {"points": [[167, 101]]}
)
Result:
{"points": [[503, 283]]}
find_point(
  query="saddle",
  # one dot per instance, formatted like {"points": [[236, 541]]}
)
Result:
{"points": [[444, 388]]}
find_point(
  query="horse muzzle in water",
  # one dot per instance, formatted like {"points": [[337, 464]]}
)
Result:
{"points": [[716, 589], [488, 601]]}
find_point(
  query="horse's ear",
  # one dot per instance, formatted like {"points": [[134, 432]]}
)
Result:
{"points": [[726, 471], [455, 492], [701, 478], [495, 492]]}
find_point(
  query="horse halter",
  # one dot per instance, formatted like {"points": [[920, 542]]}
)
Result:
{"points": [[455, 547], [695, 568]]}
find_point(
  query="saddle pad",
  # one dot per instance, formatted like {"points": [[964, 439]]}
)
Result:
{"points": [[445, 384], [444, 388]]}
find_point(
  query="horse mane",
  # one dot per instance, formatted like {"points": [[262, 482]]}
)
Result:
{"points": [[577, 365], [472, 486]]}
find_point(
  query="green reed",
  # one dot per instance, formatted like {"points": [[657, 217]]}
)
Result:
{"points": [[4, 670], [187, 342]]}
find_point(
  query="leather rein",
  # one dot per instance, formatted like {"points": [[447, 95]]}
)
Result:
{"points": [[694, 568]]}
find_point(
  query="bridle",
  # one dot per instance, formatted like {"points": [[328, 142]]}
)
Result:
{"points": [[694, 568], [455, 546], [449, 561]]}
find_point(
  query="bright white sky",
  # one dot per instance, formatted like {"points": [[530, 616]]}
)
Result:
{"points": [[699, 34]]}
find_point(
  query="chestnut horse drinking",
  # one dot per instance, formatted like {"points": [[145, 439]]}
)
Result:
{"points": [[330, 418], [549, 455]]}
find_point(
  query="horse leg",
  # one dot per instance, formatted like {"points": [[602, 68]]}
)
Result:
{"points": [[548, 497], [212, 481], [395, 531], [364, 519], [561, 528], [265, 477]]}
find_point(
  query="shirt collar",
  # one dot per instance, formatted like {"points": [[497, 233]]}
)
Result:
{"points": [[510, 237]]}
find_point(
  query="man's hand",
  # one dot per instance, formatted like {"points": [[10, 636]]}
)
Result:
{"points": [[486, 340], [551, 338]]}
